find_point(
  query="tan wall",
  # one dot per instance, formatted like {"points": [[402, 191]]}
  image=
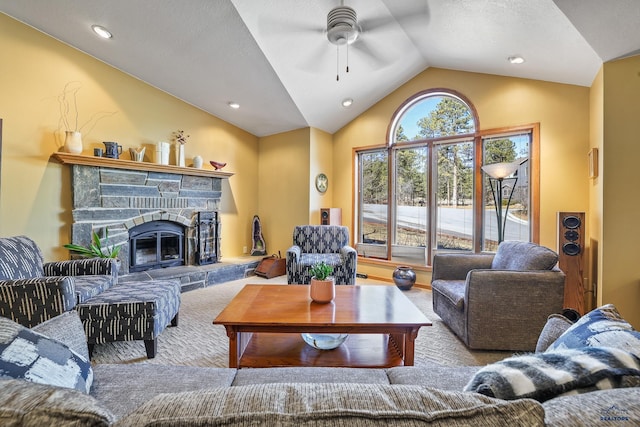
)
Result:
{"points": [[283, 186], [35, 195], [320, 161], [594, 219], [620, 278], [561, 110]]}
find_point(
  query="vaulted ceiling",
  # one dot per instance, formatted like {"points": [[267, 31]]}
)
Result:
{"points": [[273, 58]]}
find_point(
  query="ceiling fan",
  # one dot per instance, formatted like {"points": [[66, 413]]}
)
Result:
{"points": [[342, 30]]}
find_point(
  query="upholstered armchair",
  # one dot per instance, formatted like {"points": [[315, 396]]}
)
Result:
{"points": [[317, 243], [32, 291], [501, 301]]}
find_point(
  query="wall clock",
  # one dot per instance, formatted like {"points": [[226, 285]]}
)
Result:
{"points": [[322, 182]]}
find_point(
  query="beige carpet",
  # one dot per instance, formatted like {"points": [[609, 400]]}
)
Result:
{"points": [[197, 342]]}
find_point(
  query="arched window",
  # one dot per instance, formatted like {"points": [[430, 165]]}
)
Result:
{"points": [[432, 115], [425, 191]]}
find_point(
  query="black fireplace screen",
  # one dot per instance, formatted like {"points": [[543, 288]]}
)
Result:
{"points": [[207, 230], [156, 244]]}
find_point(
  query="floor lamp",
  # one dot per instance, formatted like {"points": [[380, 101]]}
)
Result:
{"points": [[498, 172]]}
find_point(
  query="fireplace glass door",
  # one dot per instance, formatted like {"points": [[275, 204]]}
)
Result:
{"points": [[156, 244]]}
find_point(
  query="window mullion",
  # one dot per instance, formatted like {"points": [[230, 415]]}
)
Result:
{"points": [[391, 202], [478, 202]]}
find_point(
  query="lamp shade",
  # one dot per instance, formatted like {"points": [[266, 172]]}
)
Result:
{"points": [[500, 170]]}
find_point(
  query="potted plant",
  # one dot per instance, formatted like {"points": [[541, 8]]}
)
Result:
{"points": [[96, 249], [323, 287]]}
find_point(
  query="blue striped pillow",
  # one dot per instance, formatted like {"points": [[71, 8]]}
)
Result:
{"points": [[33, 357], [602, 327]]}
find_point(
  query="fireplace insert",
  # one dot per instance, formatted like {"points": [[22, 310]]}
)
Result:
{"points": [[156, 244]]}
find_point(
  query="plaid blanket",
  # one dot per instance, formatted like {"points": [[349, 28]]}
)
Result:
{"points": [[542, 376]]}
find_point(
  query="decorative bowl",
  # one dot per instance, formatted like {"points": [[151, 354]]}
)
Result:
{"points": [[324, 341], [217, 165]]}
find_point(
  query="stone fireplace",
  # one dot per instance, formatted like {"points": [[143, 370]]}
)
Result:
{"points": [[162, 216]]}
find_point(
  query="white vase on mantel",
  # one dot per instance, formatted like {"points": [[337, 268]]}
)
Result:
{"points": [[180, 155], [162, 153], [72, 142]]}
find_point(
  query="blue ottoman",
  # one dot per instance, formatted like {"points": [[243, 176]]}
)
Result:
{"points": [[131, 311]]}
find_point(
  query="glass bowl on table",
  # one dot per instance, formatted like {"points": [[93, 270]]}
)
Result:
{"points": [[324, 341]]}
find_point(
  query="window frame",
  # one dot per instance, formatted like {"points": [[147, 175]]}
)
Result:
{"points": [[476, 138]]}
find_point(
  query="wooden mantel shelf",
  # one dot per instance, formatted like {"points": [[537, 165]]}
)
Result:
{"points": [[79, 159]]}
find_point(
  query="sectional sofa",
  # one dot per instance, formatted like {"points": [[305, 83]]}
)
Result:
{"points": [[151, 395]]}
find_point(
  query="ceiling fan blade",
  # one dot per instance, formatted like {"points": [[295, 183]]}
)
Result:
{"points": [[374, 24], [267, 25], [373, 57], [318, 59], [418, 15]]}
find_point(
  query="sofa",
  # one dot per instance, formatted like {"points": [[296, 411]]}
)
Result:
{"points": [[498, 301], [151, 395]]}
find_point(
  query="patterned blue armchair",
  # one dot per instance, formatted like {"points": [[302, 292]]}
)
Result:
{"points": [[316, 243], [32, 292]]}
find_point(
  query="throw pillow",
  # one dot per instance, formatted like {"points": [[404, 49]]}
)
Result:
{"points": [[543, 376], [66, 328], [602, 327], [556, 325], [30, 356]]}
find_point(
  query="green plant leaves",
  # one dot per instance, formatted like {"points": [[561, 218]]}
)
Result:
{"points": [[321, 271], [95, 249]]}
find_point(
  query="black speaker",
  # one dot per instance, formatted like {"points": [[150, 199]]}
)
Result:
{"points": [[570, 258], [330, 216], [571, 225], [324, 216]]}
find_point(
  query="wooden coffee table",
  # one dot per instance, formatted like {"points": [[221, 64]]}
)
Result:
{"points": [[264, 323]]}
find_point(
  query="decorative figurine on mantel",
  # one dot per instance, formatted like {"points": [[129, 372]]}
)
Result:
{"points": [[259, 246]]}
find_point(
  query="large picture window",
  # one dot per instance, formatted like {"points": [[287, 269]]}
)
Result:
{"points": [[425, 191]]}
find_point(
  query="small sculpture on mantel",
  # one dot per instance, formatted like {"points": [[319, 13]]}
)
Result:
{"points": [[259, 246]]}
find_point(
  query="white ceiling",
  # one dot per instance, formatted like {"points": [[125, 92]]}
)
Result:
{"points": [[272, 57]]}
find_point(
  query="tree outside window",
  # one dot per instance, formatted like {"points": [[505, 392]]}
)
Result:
{"points": [[430, 202]]}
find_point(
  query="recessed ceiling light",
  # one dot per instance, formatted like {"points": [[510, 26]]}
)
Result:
{"points": [[234, 105], [101, 31], [516, 59], [346, 103]]}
